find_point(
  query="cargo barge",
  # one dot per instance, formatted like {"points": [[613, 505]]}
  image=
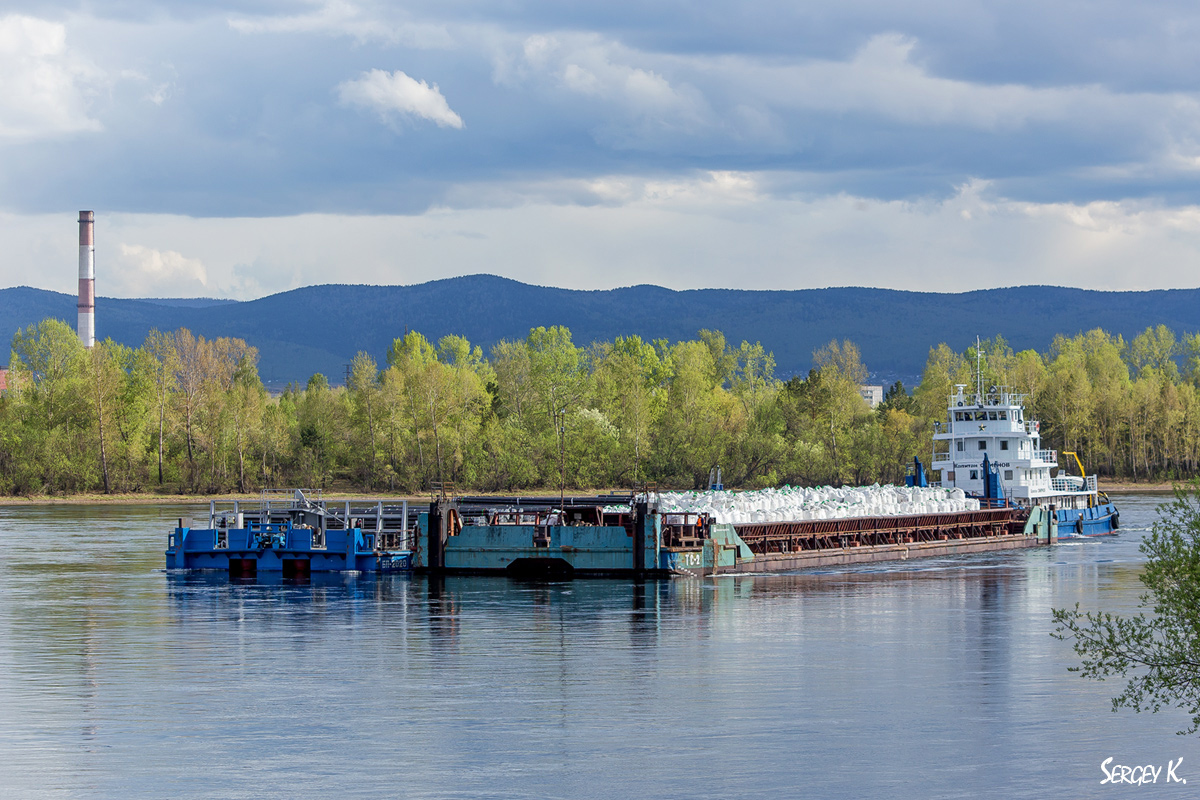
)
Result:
{"points": [[626, 534], [631, 535]]}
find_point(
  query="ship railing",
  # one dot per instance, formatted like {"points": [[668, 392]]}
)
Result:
{"points": [[994, 396], [1073, 483], [1046, 455]]}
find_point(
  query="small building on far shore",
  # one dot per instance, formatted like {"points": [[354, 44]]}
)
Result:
{"points": [[872, 394], [3, 379]]}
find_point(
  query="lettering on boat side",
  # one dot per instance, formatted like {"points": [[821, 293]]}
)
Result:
{"points": [[1119, 773]]}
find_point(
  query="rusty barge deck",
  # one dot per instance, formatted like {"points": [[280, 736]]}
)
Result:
{"points": [[781, 547]]}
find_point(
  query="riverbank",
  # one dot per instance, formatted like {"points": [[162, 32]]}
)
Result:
{"points": [[136, 498], [1143, 487], [133, 498]]}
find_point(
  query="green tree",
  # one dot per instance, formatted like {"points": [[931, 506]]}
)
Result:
{"points": [[190, 361], [320, 430], [163, 369], [365, 393], [628, 376], [842, 373], [558, 383], [896, 398], [245, 402], [1158, 653], [105, 378], [1155, 348], [48, 365], [699, 417]]}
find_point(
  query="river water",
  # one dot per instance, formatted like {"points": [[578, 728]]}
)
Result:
{"points": [[922, 679]]}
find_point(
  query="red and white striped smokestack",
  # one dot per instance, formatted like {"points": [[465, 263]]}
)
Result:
{"points": [[87, 280]]}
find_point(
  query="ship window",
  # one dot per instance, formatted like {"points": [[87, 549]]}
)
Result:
{"points": [[958, 416], [960, 445], [992, 416], [983, 444], [1004, 444], [981, 415], [1003, 415], [974, 475], [1008, 474]]}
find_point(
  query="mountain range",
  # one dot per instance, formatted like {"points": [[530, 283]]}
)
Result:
{"points": [[320, 328]]}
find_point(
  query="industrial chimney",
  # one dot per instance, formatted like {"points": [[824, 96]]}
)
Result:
{"points": [[86, 326]]}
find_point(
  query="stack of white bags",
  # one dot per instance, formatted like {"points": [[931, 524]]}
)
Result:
{"points": [[794, 503]]}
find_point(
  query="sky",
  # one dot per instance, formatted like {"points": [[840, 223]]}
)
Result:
{"points": [[239, 148]]}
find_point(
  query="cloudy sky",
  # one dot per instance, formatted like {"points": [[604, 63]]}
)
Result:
{"points": [[238, 148]]}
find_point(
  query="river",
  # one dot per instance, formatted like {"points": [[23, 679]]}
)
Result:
{"points": [[925, 679]]}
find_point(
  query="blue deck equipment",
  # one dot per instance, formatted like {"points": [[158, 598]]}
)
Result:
{"points": [[295, 537]]}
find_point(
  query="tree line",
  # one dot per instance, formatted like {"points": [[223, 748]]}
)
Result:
{"points": [[186, 414]]}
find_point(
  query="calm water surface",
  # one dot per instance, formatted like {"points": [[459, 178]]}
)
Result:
{"points": [[914, 680]]}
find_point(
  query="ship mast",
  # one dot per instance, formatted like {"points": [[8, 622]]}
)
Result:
{"points": [[978, 372]]}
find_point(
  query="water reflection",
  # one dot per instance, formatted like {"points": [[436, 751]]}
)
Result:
{"points": [[907, 680]]}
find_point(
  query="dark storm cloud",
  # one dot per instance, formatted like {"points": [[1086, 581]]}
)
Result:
{"points": [[240, 108]]}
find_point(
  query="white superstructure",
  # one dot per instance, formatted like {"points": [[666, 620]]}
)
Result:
{"points": [[991, 422]]}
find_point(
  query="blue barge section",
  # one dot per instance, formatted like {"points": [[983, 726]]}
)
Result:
{"points": [[296, 536]]}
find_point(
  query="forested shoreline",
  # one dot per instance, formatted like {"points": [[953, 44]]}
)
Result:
{"points": [[187, 415]]}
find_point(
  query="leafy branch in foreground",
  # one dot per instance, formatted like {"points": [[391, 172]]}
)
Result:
{"points": [[1159, 652]]}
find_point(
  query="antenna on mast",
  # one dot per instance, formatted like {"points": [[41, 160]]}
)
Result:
{"points": [[978, 369]]}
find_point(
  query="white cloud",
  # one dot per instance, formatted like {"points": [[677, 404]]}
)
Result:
{"points": [[389, 93], [883, 80], [146, 272], [338, 17], [724, 229], [43, 87], [605, 70]]}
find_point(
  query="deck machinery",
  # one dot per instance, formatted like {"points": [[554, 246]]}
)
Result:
{"points": [[296, 535]]}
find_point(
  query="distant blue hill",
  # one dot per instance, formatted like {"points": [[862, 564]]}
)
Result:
{"points": [[186, 302], [320, 328]]}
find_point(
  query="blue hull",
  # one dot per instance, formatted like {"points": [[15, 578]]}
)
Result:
{"points": [[1095, 521], [281, 548]]}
